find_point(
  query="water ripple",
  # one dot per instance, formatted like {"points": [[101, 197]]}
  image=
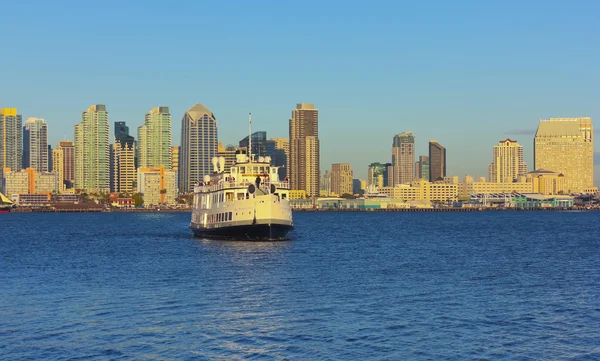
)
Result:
{"points": [[435, 286]]}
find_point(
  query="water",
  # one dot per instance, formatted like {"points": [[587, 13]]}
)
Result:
{"points": [[394, 286]]}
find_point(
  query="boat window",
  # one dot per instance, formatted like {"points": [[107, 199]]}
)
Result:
{"points": [[230, 216], [242, 170]]}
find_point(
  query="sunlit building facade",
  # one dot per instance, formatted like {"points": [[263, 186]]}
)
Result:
{"points": [[304, 162], [566, 146], [11, 139], [341, 179], [507, 165], [157, 185], [403, 158]]}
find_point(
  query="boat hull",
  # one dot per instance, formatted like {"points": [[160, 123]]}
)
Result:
{"points": [[253, 232]]}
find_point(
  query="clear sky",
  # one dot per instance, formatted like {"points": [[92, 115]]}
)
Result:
{"points": [[465, 73]]}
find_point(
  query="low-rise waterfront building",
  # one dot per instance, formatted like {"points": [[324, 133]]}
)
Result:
{"points": [[29, 182], [469, 186], [422, 191], [547, 182], [297, 194]]}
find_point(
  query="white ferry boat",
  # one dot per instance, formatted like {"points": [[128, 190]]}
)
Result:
{"points": [[249, 202]]}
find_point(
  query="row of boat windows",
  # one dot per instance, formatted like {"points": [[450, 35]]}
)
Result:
{"points": [[220, 217], [252, 170]]}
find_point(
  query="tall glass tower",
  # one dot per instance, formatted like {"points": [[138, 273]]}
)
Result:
{"points": [[92, 151], [155, 140]]}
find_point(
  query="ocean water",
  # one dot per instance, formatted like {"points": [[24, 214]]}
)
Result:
{"points": [[349, 286]]}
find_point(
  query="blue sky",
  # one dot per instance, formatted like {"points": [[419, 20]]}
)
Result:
{"points": [[465, 73]]}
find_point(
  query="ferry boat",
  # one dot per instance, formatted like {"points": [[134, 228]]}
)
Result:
{"points": [[248, 202]]}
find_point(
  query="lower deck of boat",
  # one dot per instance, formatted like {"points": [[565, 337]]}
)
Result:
{"points": [[255, 232]]}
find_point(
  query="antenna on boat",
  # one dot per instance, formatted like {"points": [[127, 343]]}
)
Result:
{"points": [[250, 136]]}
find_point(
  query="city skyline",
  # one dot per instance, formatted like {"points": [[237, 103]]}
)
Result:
{"points": [[452, 72], [361, 170]]}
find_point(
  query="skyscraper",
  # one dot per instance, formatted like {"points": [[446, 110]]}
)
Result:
{"points": [[565, 145], [92, 150], [279, 149], [123, 171], [437, 161], [403, 158], [155, 140], [507, 165], [175, 157], [303, 165], [50, 162], [35, 144], [378, 174], [325, 190], [198, 146], [228, 152], [58, 166], [422, 167], [11, 146], [259, 143], [68, 163], [341, 179]]}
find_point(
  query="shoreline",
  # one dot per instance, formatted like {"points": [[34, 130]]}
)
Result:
{"points": [[306, 210]]}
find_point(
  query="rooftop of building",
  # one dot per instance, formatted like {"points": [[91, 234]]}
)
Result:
{"points": [[198, 111], [562, 127]]}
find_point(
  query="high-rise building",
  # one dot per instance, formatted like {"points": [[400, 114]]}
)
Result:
{"points": [[198, 146], [403, 158], [341, 179], [175, 156], [159, 186], [359, 186], [437, 161], [155, 140], [259, 143], [50, 157], [303, 164], [11, 139], [35, 144], [92, 151], [228, 153], [422, 167], [566, 145], [325, 190], [67, 175], [279, 150], [378, 174], [507, 165], [123, 172], [58, 167]]}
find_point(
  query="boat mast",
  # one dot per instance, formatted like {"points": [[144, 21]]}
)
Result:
{"points": [[250, 136]]}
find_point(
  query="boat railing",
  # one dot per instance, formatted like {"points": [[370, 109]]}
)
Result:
{"points": [[223, 184]]}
